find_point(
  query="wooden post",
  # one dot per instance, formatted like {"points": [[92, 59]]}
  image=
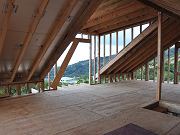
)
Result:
{"points": [[159, 59], [28, 88], [39, 87], [154, 73], [162, 66], [135, 75], [95, 59], [90, 62], [119, 77], [49, 80], [5, 90], [99, 42], [104, 60], [142, 73], [147, 71], [122, 76], [168, 76], [42, 86], [176, 65], [9, 90], [132, 75], [140, 28], [110, 49], [110, 78], [132, 34], [115, 79], [117, 42], [124, 39], [105, 78], [18, 89]]}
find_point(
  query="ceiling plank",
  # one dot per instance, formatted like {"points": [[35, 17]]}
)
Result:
{"points": [[130, 7], [109, 7], [125, 18], [56, 27], [6, 19], [32, 28], [86, 11], [137, 20]]}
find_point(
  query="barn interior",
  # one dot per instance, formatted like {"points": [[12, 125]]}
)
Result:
{"points": [[125, 37]]}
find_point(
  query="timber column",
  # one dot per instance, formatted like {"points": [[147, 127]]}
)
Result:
{"points": [[159, 58], [176, 64]]}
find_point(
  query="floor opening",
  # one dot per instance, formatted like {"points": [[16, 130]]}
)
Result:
{"points": [[165, 107]]}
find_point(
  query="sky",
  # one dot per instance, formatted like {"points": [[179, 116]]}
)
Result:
{"points": [[82, 50]]}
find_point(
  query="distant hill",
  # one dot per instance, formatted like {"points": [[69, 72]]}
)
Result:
{"points": [[81, 68]]}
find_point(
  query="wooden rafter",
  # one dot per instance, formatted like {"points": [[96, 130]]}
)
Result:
{"points": [[86, 11], [109, 6], [123, 19], [146, 56], [114, 14], [5, 23], [66, 61], [171, 8], [134, 43], [56, 27], [32, 28], [136, 53], [131, 61], [137, 20], [168, 40]]}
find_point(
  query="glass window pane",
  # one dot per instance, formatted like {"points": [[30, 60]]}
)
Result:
{"points": [[136, 31], [120, 40], [128, 36]]}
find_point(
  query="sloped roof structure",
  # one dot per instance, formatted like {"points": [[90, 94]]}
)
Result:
{"points": [[35, 33]]}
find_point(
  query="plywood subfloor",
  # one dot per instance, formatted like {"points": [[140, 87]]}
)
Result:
{"points": [[89, 110]]}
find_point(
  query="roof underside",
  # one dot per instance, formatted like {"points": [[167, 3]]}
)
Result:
{"points": [[35, 33]]}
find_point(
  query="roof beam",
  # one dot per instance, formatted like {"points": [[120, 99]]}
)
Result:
{"points": [[146, 48], [152, 54], [170, 36], [124, 20], [56, 27], [138, 52], [163, 6], [6, 19], [120, 25], [131, 45], [29, 35], [66, 61], [109, 6], [86, 11], [133, 6]]}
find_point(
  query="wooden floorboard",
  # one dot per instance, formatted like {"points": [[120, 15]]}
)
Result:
{"points": [[89, 110]]}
